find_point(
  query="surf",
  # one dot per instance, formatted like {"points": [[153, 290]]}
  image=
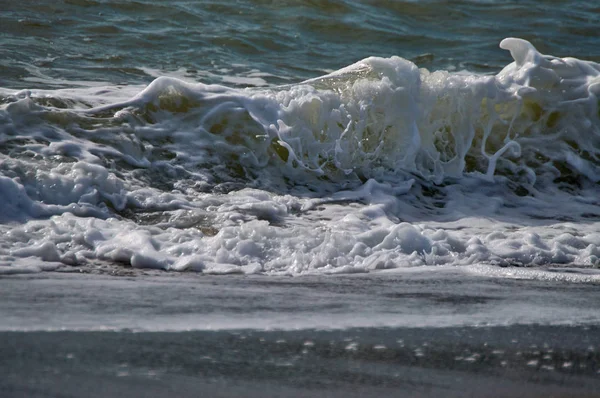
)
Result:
{"points": [[398, 166]]}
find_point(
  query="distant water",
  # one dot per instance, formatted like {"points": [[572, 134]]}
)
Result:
{"points": [[301, 137]]}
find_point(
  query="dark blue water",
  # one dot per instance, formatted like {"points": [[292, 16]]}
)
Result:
{"points": [[47, 44]]}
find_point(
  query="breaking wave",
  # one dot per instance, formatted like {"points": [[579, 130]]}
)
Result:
{"points": [[183, 175]]}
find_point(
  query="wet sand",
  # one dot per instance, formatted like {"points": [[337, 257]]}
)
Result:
{"points": [[450, 362], [410, 335]]}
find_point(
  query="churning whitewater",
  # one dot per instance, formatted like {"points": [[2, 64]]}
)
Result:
{"points": [[379, 165]]}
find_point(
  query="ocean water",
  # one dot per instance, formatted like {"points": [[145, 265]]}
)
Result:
{"points": [[299, 198], [294, 138]]}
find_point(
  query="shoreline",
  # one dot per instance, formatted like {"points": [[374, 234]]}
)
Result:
{"points": [[189, 301], [415, 334]]}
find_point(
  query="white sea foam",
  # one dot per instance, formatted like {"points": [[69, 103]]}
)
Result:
{"points": [[379, 165]]}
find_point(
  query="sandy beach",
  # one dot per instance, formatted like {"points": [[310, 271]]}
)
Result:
{"points": [[72, 335]]}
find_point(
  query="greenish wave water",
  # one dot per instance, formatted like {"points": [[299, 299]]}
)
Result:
{"points": [[47, 44]]}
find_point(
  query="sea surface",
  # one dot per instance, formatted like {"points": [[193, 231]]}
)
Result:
{"points": [[293, 138], [287, 198]]}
